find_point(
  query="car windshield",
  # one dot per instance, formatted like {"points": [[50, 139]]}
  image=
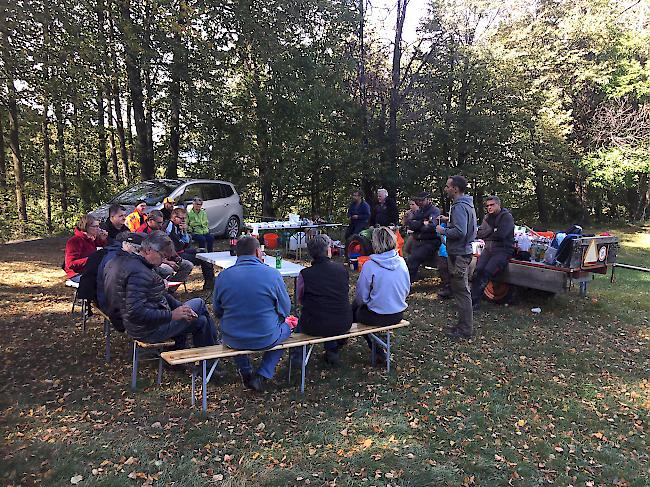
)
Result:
{"points": [[153, 192]]}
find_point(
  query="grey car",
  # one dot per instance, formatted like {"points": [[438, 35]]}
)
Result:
{"points": [[220, 200]]}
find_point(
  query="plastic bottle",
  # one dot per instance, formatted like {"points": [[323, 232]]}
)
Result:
{"points": [[278, 260]]}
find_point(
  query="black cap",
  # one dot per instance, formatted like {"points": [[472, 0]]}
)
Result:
{"points": [[135, 238], [422, 195], [140, 201]]}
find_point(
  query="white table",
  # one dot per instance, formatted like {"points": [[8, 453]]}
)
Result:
{"points": [[225, 260]]}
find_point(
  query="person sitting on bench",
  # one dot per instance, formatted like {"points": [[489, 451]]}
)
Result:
{"points": [[198, 225], [322, 289], [498, 232], [383, 285], [136, 295], [252, 302], [87, 237]]}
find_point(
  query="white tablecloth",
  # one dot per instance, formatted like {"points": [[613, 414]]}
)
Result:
{"points": [[225, 260]]}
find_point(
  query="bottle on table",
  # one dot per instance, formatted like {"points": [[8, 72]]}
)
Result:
{"points": [[278, 260]]}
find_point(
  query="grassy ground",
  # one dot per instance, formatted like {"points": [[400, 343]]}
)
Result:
{"points": [[558, 398]]}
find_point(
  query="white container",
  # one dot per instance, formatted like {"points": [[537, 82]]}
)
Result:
{"points": [[293, 218], [298, 241]]}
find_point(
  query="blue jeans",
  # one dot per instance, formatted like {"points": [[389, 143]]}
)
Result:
{"points": [[206, 241], [270, 359], [203, 331]]}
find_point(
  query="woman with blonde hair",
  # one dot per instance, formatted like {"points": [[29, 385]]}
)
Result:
{"points": [[383, 284], [87, 237]]}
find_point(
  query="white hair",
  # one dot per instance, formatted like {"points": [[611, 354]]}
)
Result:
{"points": [[382, 191]]}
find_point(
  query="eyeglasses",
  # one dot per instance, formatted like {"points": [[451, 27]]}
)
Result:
{"points": [[94, 225]]}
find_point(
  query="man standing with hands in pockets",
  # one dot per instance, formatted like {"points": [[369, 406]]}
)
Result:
{"points": [[460, 233]]}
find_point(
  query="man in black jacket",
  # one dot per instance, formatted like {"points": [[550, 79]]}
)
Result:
{"points": [[426, 241], [498, 232], [137, 295], [114, 224], [385, 212]]}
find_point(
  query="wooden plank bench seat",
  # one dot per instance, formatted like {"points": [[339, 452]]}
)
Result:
{"points": [[307, 342]]}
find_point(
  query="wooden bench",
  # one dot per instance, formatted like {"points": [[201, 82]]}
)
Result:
{"points": [[139, 349], [307, 342]]}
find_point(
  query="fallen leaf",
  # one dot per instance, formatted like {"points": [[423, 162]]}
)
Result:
{"points": [[76, 479]]}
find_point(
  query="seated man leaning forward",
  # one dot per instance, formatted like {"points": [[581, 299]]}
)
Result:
{"points": [[136, 295], [322, 289], [252, 302], [383, 285]]}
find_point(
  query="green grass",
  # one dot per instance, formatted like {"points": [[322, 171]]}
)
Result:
{"points": [[558, 398]]}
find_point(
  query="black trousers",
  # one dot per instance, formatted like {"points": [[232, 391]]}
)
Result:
{"points": [[421, 251], [207, 269]]}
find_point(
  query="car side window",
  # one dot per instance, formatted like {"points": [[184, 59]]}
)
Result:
{"points": [[226, 190], [211, 191], [190, 192]]}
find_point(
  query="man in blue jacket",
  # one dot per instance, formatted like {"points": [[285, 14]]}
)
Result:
{"points": [[460, 233], [358, 213], [252, 302]]}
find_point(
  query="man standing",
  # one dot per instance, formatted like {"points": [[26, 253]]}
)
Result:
{"points": [[138, 216], [252, 302], [168, 206], [385, 212], [177, 231], [425, 240], [136, 295], [115, 222], [198, 225], [460, 233], [358, 213], [498, 232]]}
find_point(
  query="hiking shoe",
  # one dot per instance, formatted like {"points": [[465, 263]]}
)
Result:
{"points": [[256, 383], [456, 334], [332, 358], [445, 293]]}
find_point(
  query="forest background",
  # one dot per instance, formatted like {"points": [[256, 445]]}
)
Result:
{"points": [[545, 103]]}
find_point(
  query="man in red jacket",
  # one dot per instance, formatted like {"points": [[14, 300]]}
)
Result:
{"points": [[87, 237]]}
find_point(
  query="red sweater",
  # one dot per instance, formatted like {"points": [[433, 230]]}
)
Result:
{"points": [[77, 250]]}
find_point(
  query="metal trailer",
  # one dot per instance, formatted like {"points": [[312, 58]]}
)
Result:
{"points": [[589, 255]]}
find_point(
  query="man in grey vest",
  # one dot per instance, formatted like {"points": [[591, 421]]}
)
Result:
{"points": [[460, 232]]}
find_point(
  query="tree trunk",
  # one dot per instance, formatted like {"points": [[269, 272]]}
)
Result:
{"points": [[178, 69], [462, 150], [101, 127], [264, 160], [129, 130], [395, 96], [363, 87], [3, 160], [145, 61], [135, 87], [540, 195], [115, 92], [644, 198], [14, 124], [47, 171], [77, 137], [111, 138], [60, 144]]}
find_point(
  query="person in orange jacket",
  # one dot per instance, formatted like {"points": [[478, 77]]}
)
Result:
{"points": [[137, 217]]}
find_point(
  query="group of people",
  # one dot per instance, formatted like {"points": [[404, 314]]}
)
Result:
{"points": [[126, 277], [446, 242]]}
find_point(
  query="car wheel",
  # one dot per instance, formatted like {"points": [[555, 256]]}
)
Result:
{"points": [[232, 227]]}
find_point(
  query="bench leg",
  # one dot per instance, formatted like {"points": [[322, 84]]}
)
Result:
{"points": [[372, 351], [289, 379], [134, 373], [193, 386], [583, 289], [388, 356], [204, 404], [74, 299], [303, 369], [84, 316], [107, 334], [160, 366]]}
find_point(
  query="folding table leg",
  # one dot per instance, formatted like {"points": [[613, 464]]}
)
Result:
{"points": [[204, 405], [134, 373]]}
